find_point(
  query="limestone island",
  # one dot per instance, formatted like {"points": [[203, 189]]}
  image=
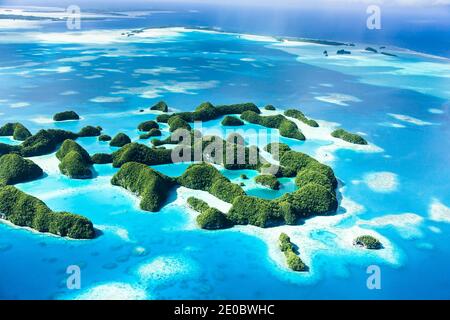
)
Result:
{"points": [[66, 115], [368, 242]]}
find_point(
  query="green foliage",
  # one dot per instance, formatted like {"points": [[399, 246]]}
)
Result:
{"points": [[238, 108], [66, 115], [293, 260], [178, 122], [163, 118], [294, 161], [232, 121], [286, 127], [102, 158], [349, 137], [213, 219], [74, 166], [148, 125], [152, 186], [16, 130], [151, 133], [312, 176], [44, 142], [285, 242], [269, 181], [90, 131], [15, 169], [254, 211], [69, 146], [293, 113], [197, 204], [270, 107], [7, 148], [282, 148], [244, 176], [225, 190], [311, 199], [104, 137], [135, 152], [368, 242], [24, 210], [120, 140], [160, 106]]}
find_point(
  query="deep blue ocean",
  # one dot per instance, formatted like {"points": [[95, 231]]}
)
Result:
{"points": [[399, 189]]}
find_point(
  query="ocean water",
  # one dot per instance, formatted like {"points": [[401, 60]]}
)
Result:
{"points": [[397, 189]]}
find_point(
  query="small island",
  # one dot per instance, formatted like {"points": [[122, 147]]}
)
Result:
{"points": [[120, 140], [160, 106], [17, 130], [104, 138], [148, 125], [209, 218], [66, 115], [368, 242], [102, 158], [293, 261], [268, 180], [349, 137], [75, 161], [90, 131], [342, 51], [152, 133], [297, 114], [269, 107]]}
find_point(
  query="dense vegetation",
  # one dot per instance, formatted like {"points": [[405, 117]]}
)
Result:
{"points": [[232, 121], [104, 137], [148, 125], [44, 142], [178, 122], [15, 169], [120, 140], [75, 161], [368, 242], [151, 133], [135, 152], [152, 186], [102, 158], [27, 211], [16, 130], [286, 127], [293, 260], [269, 181], [349, 137], [66, 115], [160, 106], [293, 113], [90, 131], [270, 107], [206, 111], [7, 148], [209, 218]]}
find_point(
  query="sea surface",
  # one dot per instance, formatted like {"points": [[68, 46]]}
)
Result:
{"points": [[399, 189]]}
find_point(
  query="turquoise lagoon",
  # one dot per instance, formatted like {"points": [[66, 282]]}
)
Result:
{"points": [[398, 188]]}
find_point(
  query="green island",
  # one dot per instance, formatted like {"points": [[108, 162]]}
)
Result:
{"points": [[104, 137], [342, 51], [268, 180], [66, 115], [368, 242], [269, 107], [17, 130], [148, 125], [102, 158], [286, 127], [75, 161], [120, 140], [349, 137], [152, 133], [232, 121], [297, 114], [24, 210], [15, 169], [160, 106], [209, 218], [150, 185], [293, 261], [90, 131]]}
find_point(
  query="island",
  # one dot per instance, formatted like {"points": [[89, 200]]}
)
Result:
{"points": [[75, 161], [148, 125], [25, 210], [17, 130], [268, 180], [368, 242], [342, 51], [297, 114], [120, 140], [269, 107], [209, 218], [160, 106], [232, 121], [90, 131], [349, 137], [104, 138], [15, 169], [152, 133], [102, 158], [293, 261], [66, 115]]}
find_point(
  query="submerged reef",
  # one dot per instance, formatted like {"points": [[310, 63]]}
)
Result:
{"points": [[24, 210]]}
